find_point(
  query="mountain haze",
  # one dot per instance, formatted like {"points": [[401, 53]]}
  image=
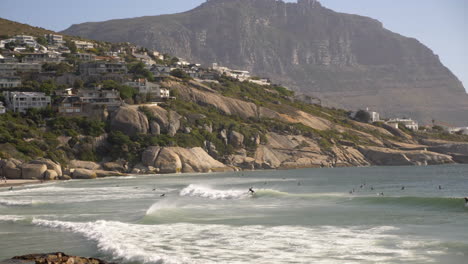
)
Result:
{"points": [[348, 61]]}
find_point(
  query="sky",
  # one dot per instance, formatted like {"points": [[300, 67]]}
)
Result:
{"points": [[442, 25]]}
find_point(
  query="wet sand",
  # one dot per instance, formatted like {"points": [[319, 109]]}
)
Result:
{"points": [[10, 183]]}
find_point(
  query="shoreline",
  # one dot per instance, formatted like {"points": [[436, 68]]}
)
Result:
{"points": [[17, 182]]}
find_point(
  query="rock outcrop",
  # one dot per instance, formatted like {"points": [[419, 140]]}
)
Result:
{"points": [[458, 151], [10, 168], [392, 157], [176, 159], [33, 171], [84, 174], [56, 258], [50, 165], [346, 60], [80, 164], [129, 121]]}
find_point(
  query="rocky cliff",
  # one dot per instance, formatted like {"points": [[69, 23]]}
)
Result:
{"points": [[348, 61]]}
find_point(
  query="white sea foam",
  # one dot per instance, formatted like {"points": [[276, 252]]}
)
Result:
{"points": [[191, 243], [11, 218], [17, 202], [195, 190]]}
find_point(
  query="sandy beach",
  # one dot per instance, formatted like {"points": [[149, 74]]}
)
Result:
{"points": [[10, 183]]}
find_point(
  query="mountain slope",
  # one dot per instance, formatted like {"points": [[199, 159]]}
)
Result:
{"points": [[347, 60], [8, 28]]}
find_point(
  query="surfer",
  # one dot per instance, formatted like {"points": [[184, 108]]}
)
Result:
{"points": [[372, 188], [466, 201], [162, 195], [440, 187], [403, 188], [251, 191], [11, 188]]}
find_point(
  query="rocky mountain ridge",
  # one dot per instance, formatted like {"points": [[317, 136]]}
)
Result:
{"points": [[348, 61]]}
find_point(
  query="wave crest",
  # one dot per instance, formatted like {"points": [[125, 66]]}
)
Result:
{"points": [[194, 190]]}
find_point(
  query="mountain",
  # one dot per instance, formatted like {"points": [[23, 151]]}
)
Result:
{"points": [[348, 61]]}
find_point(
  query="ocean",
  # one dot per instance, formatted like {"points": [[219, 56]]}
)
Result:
{"points": [[394, 215]]}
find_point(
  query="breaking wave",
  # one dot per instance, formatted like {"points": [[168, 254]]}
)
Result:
{"points": [[192, 243], [194, 190]]}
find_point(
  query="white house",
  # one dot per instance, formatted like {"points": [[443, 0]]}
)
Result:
{"points": [[374, 116], [146, 87], [407, 122], [22, 101], [54, 39], [10, 82], [2, 109], [26, 40], [83, 44]]}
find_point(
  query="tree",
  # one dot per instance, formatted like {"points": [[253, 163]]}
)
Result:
{"points": [[180, 74], [139, 71], [10, 46], [41, 40], [363, 116], [71, 46], [78, 83]]}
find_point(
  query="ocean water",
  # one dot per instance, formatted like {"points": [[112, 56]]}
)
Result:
{"points": [[295, 216]]}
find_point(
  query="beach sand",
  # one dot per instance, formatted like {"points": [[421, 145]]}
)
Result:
{"points": [[10, 183]]}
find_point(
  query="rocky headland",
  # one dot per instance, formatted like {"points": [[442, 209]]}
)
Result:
{"points": [[206, 131]]}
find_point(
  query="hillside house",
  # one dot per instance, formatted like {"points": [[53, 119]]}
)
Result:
{"points": [[54, 39], [12, 69], [70, 105], [26, 40], [102, 67], [10, 82], [161, 70], [41, 57], [83, 45], [374, 116], [22, 101], [407, 122], [97, 96], [85, 56]]}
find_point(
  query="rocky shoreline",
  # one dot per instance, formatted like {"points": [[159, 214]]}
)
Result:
{"points": [[282, 152], [55, 258]]}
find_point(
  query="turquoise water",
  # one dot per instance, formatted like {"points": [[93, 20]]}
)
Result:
{"points": [[295, 216]]}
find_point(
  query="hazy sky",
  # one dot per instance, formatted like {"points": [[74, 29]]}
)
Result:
{"points": [[442, 25]]}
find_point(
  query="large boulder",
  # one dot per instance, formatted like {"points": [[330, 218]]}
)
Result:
{"points": [[129, 121], [33, 171], [51, 175], [155, 128], [81, 164], [114, 166], [148, 157], [11, 168], [168, 161], [236, 139], [50, 165], [197, 160], [84, 174]]}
